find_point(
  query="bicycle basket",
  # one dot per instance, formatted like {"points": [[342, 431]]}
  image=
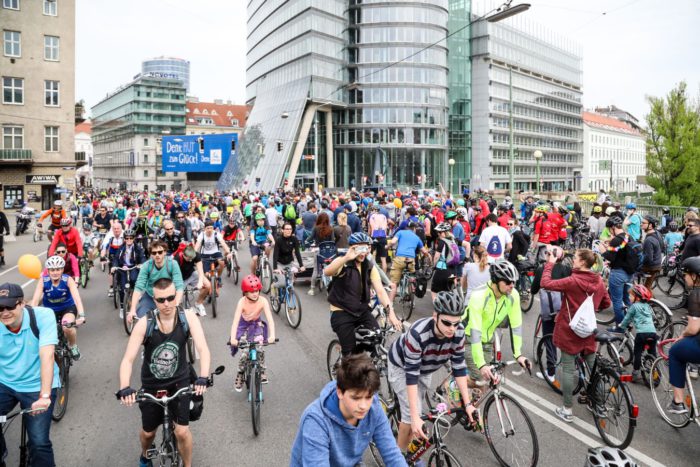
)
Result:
{"points": [[196, 408]]}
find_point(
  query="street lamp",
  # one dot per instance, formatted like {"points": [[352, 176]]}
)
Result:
{"points": [[451, 163], [155, 153], [538, 155]]}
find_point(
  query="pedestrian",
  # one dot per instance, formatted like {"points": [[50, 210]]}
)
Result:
{"points": [[4, 225]]}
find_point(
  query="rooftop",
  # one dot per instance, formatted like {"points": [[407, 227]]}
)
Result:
{"points": [[608, 123], [85, 127], [221, 114]]}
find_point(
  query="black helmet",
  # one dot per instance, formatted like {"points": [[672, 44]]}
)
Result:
{"points": [[503, 270], [665, 210], [448, 303], [691, 265], [673, 226], [614, 221], [608, 457], [651, 219]]}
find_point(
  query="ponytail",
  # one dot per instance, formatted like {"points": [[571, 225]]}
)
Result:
{"points": [[480, 253]]}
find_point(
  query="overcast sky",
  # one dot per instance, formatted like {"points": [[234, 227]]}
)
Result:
{"points": [[631, 48]]}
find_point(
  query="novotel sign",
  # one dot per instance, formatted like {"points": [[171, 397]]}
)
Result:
{"points": [[198, 153]]}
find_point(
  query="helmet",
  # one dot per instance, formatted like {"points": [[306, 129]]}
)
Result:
{"points": [[412, 224], [673, 226], [450, 215], [608, 457], [651, 219], [130, 233], [259, 216], [503, 270], [251, 283], [196, 407], [609, 210], [58, 203], [462, 212], [691, 265], [542, 208], [665, 210], [359, 238], [642, 292], [570, 207], [443, 227], [66, 221], [614, 221], [448, 303], [214, 215], [693, 209], [631, 206], [502, 207], [55, 262], [460, 202], [597, 208]]}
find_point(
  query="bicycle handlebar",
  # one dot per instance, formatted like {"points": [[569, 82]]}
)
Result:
{"points": [[243, 344], [8, 418]]}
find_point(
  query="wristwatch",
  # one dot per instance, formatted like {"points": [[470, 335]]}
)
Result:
{"points": [[46, 396]]}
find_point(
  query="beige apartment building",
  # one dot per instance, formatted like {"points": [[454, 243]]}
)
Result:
{"points": [[37, 108]]}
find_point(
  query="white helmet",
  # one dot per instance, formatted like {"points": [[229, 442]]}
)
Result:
{"points": [[503, 270], [462, 212], [55, 262]]}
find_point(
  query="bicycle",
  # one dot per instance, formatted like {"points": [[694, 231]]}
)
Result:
{"points": [[264, 269], [84, 265], [662, 391], [526, 270], [662, 314], [252, 375], [288, 298], [187, 301], [6, 420], [406, 293], [64, 360], [213, 276], [232, 266], [608, 397], [125, 305], [167, 453]]}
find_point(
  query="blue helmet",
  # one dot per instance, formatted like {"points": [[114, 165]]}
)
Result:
{"points": [[359, 238], [631, 206]]}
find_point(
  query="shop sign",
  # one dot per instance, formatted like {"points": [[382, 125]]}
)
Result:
{"points": [[41, 179]]}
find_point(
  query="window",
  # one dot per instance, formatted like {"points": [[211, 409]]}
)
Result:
{"points": [[51, 93], [145, 173], [51, 7], [10, 4], [51, 48], [145, 141], [145, 158], [12, 90], [12, 43], [13, 137], [51, 139], [234, 121]]}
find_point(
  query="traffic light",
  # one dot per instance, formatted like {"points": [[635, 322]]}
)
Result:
{"points": [[233, 145], [279, 146], [200, 140]]}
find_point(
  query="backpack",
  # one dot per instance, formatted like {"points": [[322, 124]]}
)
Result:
{"points": [[452, 256], [168, 262], [290, 213], [151, 324], [634, 256], [494, 247]]}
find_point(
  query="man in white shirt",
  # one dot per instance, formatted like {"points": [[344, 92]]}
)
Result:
{"points": [[271, 214], [495, 239]]}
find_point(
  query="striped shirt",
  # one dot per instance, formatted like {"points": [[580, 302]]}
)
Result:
{"points": [[420, 352]]}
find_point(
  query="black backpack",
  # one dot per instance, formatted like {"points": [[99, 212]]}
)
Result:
{"points": [[634, 254], [151, 324]]}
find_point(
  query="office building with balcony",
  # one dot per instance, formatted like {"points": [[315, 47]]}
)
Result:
{"points": [[127, 127], [168, 67], [37, 72], [84, 152], [541, 74]]}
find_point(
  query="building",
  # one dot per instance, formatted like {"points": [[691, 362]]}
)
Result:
{"points": [[127, 126], [623, 115], [208, 118], [37, 68], [83, 150], [614, 155], [542, 73], [168, 67]]}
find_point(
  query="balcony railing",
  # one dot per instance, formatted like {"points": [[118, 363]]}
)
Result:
{"points": [[15, 155]]}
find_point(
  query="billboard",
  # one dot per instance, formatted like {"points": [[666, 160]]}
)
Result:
{"points": [[198, 153]]}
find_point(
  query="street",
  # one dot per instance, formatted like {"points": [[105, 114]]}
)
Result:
{"points": [[97, 430]]}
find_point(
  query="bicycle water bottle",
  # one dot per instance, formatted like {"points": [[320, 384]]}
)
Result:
{"points": [[454, 395], [415, 446]]}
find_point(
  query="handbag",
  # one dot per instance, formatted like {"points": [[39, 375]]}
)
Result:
{"points": [[583, 323]]}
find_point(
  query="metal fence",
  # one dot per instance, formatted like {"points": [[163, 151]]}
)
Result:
{"points": [[677, 212]]}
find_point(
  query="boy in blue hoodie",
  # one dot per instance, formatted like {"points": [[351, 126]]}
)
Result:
{"points": [[336, 428]]}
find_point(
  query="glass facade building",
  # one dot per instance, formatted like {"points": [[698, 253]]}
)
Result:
{"points": [[168, 67]]}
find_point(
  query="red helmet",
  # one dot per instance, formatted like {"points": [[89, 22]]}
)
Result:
{"points": [[251, 283], [642, 292], [66, 221]]}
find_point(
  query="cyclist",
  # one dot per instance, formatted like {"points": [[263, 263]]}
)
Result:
{"points": [[90, 241], [4, 225], [622, 266], [633, 222], [72, 267], [349, 292], [641, 314], [231, 230], [190, 263], [687, 349], [56, 213], [28, 338], [673, 237], [86, 212], [407, 244], [170, 236], [110, 245], [182, 224], [59, 292], [330, 426], [594, 222], [487, 308], [427, 345], [68, 235], [286, 248], [653, 246], [210, 245], [259, 235], [214, 217], [545, 231], [102, 220], [128, 255], [164, 338]]}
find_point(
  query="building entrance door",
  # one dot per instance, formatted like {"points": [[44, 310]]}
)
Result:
{"points": [[48, 196]]}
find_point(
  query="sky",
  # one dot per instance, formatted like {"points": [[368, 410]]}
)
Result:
{"points": [[630, 48]]}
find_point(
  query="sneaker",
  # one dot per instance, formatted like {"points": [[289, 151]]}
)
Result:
{"points": [[311, 292], [121, 313], [565, 414], [263, 377], [143, 462], [75, 353], [582, 399], [677, 408], [693, 371], [111, 292], [200, 309], [637, 376], [238, 384], [547, 376]]}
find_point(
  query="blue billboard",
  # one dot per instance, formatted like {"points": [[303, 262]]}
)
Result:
{"points": [[198, 153]]}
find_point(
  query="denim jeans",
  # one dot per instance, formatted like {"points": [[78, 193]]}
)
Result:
{"points": [[686, 350], [145, 305], [38, 426], [619, 292]]}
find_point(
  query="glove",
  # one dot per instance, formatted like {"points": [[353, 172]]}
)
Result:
{"points": [[201, 381], [126, 392]]}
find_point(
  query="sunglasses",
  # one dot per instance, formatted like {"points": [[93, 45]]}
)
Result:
{"points": [[159, 252], [169, 230], [180, 217], [450, 324], [61, 252], [161, 300], [506, 281], [128, 238], [8, 308], [511, 225]]}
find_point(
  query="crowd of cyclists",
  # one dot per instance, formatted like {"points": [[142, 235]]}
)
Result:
{"points": [[469, 251]]}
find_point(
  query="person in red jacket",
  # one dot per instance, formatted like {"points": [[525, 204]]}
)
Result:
{"points": [[503, 216], [576, 288], [559, 225], [68, 235]]}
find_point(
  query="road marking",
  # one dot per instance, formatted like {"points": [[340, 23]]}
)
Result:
{"points": [[638, 455], [28, 282], [15, 267]]}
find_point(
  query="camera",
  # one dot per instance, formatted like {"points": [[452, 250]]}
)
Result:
{"points": [[362, 250]]}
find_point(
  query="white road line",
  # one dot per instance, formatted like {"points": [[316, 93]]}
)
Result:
{"points": [[638, 455], [15, 267], [28, 282]]}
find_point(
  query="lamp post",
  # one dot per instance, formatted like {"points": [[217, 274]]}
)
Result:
{"points": [[159, 140], [511, 156], [451, 163], [538, 155]]}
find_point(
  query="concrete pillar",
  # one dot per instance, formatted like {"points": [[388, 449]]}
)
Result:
{"points": [[330, 169]]}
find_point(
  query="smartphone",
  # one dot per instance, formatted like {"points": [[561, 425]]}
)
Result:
{"points": [[362, 250]]}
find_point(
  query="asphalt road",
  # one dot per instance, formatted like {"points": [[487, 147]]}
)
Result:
{"points": [[97, 430]]}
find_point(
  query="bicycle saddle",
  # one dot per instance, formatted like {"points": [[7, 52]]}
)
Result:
{"points": [[605, 336]]}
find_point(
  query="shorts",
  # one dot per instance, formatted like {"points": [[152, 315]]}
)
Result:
{"points": [[152, 414], [60, 314], [379, 247], [250, 329], [474, 372], [208, 259], [398, 265], [397, 380], [255, 250], [53, 228], [192, 280]]}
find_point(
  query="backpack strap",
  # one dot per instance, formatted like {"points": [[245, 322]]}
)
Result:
{"points": [[150, 325], [32, 320], [182, 318]]}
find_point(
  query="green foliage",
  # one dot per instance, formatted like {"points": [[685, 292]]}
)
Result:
{"points": [[673, 148]]}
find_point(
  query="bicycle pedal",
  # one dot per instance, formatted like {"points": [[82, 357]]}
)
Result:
{"points": [[152, 453]]}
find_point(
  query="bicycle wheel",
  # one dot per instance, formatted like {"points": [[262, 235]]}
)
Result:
{"points": [[127, 306], [605, 317], [509, 432], [115, 289], [255, 396], [292, 308], [37, 236], [213, 296], [527, 298], [275, 299], [267, 277], [662, 315], [84, 273], [61, 403], [443, 458], [536, 337], [333, 356], [647, 362], [671, 285], [550, 365], [662, 393], [625, 352], [393, 424], [407, 300], [235, 272], [229, 267], [672, 331], [612, 408]]}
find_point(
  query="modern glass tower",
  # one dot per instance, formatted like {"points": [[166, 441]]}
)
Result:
{"points": [[168, 67]]}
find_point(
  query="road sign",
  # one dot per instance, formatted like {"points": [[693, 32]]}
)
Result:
{"points": [[604, 165]]}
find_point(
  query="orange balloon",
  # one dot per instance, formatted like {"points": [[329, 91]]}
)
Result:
{"points": [[29, 266]]}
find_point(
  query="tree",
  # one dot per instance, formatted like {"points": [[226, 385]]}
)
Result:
{"points": [[673, 148]]}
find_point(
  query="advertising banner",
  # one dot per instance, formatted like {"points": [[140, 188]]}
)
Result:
{"points": [[198, 153]]}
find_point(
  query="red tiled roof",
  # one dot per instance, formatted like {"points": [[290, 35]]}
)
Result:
{"points": [[85, 127], [608, 123], [217, 112]]}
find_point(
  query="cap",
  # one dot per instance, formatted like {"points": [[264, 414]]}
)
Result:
{"points": [[10, 294]]}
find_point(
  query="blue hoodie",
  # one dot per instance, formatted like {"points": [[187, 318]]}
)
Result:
{"points": [[325, 439]]}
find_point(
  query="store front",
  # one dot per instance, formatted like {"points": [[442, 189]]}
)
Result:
{"points": [[44, 184]]}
